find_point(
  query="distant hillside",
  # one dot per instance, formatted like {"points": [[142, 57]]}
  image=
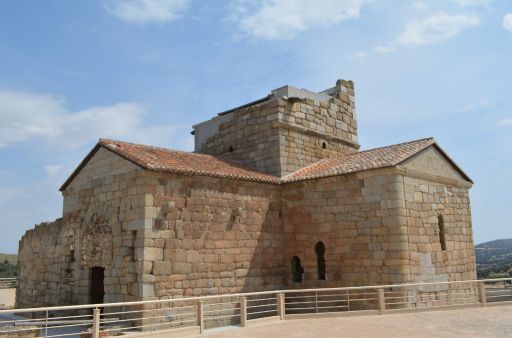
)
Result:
{"points": [[11, 258], [494, 258], [8, 265]]}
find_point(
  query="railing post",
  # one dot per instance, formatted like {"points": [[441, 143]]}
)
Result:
{"points": [[280, 306], [483, 296], [200, 316], [348, 300], [316, 301], [243, 311], [382, 301], [96, 313], [46, 324]]}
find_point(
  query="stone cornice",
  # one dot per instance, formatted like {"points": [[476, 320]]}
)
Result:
{"points": [[413, 173]]}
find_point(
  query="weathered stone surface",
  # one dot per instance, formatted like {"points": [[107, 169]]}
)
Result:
{"points": [[162, 234], [279, 137]]}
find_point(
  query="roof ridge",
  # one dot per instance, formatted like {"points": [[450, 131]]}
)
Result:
{"points": [[394, 145], [105, 141]]}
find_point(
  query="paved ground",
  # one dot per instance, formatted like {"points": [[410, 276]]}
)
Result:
{"points": [[469, 322]]}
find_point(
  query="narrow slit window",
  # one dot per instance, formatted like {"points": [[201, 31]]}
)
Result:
{"points": [[320, 260], [442, 238]]}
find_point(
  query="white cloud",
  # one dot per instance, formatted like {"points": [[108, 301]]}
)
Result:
{"points": [[283, 19], [477, 104], [53, 169], [507, 22], [26, 116], [466, 3], [437, 28], [505, 122], [145, 11]]}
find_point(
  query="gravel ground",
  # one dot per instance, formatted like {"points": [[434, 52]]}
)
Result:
{"points": [[470, 322]]}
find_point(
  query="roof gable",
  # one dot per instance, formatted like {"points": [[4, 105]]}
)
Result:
{"points": [[434, 161], [383, 157]]}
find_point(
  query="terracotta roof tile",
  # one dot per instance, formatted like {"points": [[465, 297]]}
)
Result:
{"points": [[365, 160], [167, 160]]}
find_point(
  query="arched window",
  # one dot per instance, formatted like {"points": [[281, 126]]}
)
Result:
{"points": [[320, 260], [442, 240], [297, 270]]}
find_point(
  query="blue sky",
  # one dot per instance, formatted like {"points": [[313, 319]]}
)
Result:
{"points": [[147, 70]]}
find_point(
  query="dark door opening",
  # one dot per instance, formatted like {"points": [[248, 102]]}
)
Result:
{"points": [[97, 288], [297, 270]]}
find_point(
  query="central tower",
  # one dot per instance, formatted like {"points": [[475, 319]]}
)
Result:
{"points": [[289, 129]]}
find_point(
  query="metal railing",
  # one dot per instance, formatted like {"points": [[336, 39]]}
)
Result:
{"points": [[199, 313], [8, 283]]}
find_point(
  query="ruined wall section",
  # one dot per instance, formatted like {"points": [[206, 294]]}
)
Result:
{"points": [[44, 266], [360, 218], [210, 236]]}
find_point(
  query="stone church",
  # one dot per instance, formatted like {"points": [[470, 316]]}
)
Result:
{"points": [[276, 195]]}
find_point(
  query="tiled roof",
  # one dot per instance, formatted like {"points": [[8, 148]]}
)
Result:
{"points": [[167, 160], [365, 160]]}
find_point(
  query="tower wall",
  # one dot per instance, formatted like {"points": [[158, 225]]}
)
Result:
{"points": [[291, 129]]}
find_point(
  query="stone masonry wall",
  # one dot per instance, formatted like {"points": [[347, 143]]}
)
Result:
{"points": [[44, 265], [309, 131], [210, 236], [434, 192], [425, 202], [357, 219], [169, 235], [99, 229], [249, 137], [378, 229], [102, 205], [279, 137]]}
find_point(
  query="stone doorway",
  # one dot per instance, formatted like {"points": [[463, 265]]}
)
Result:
{"points": [[97, 285], [297, 270]]}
